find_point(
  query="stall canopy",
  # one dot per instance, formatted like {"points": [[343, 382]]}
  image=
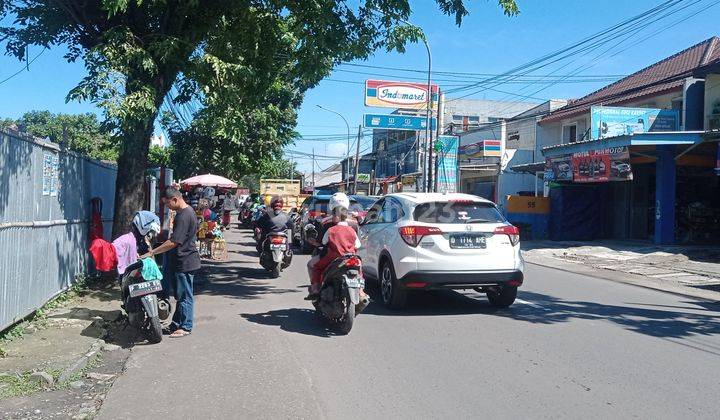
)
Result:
{"points": [[208, 180]]}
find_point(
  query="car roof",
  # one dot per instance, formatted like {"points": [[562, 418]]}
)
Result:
{"points": [[438, 197]]}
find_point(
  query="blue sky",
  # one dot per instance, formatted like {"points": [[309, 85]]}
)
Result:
{"points": [[487, 42]]}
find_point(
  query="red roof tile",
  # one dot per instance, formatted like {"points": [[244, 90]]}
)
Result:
{"points": [[663, 76]]}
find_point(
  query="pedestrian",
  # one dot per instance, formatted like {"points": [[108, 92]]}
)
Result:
{"points": [[183, 258]]}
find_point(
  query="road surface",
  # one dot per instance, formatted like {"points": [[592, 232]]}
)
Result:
{"points": [[571, 346]]}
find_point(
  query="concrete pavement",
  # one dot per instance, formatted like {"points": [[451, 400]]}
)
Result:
{"points": [[571, 346]]}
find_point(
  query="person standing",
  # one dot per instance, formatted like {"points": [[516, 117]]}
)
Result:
{"points": [[184, 259]]}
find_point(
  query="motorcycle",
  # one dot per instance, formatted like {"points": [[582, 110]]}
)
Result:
{"points": [[339, 298], [295, 218], [144, 309], [275, 253]]}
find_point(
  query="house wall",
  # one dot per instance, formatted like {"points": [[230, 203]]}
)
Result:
{"points": [[712, 102]]}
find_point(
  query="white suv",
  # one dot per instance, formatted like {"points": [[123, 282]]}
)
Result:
{"points": [[424, 241]]}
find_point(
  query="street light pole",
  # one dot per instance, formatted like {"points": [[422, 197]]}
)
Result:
{"points": [[347, 177], [428, 114]]}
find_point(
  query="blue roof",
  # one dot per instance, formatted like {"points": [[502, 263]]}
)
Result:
{"points": [[640, 139]]}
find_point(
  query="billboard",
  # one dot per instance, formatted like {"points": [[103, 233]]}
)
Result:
{"points": [[447, 163], [619, 121], [611, 164], [480, 149], [387, 94], [398, 122]]}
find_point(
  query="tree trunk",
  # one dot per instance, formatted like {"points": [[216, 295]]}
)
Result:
{"points": [[130, 183]]}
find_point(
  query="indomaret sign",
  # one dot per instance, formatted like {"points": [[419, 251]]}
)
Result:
{"points": [[404, 95]]}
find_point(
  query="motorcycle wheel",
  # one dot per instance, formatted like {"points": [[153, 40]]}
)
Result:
{"points": [[276, 271], [346, 323], [154, 330]]}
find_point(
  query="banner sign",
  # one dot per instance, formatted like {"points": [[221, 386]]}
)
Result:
{"points": [[558, 168], [447, 164], [484, 148], [363, 177], [386, 94], [612, 164], [398, 122], [619, 121]]}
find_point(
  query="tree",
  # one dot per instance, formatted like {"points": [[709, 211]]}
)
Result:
{"points": [[231, 55], [82, 133]]}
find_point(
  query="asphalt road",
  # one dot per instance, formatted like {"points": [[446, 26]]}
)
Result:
{"points": [[571, 346]]}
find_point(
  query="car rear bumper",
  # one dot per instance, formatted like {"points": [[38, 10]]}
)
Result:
{"points": [[424, 279]]}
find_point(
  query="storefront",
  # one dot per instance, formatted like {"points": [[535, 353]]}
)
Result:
{"points": [[656, 185]]}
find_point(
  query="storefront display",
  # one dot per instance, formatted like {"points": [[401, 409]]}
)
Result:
{"points": [[612, 164]]}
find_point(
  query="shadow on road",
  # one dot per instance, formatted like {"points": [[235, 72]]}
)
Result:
{"points": [[234, 281], [295, 320]]}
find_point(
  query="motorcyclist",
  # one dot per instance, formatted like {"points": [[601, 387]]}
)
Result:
{"points": [[274, 219], [338, 234]]}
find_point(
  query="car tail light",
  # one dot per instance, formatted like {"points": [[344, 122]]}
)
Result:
{"points": [[278, 240], [511, 231], [353, 262], [412, 235]]}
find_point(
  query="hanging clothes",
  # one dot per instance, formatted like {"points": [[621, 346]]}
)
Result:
{"points": [[96, 225], [104, 255], [126, 250], [150, 270]]}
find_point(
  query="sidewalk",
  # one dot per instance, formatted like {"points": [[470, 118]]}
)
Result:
{"points": [[687, 270]]}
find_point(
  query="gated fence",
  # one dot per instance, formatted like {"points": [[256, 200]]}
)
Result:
{"points": [[45, 197]]}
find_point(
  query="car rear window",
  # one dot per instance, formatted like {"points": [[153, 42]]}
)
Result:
{"points": [[457, 212], [321, 205]]}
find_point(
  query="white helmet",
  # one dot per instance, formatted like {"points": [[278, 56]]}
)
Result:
{"points": [[338, 200], [146, 222]]}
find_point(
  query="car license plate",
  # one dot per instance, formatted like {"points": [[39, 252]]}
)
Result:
{"points": [[277, 246], [145, 288], [467, 241]]}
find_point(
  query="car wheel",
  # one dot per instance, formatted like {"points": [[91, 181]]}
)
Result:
{"points": [[502, 298], [394, 296]]}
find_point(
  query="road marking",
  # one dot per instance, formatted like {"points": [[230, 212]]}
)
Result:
{"points": [[525, 302]]}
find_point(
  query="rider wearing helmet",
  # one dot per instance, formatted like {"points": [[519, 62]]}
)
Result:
{"points": [[274, 219], [339, 237]]}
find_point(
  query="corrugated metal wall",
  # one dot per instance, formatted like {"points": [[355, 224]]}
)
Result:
{"points": [[43, 238]]}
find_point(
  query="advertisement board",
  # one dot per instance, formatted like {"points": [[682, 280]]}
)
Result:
{"points": [[611, 164], [398, 122], [619, 121], [405, 95], [559, 168], [447, 163], [480, 149]]}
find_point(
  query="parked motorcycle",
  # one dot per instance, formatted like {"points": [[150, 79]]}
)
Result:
{"points": [[339, 298], [275, 254], [144, 309]]}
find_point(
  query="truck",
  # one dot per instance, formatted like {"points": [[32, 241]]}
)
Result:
{"points": [[288, 189]]}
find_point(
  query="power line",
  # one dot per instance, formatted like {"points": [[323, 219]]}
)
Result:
{"points": [[24, 67]]}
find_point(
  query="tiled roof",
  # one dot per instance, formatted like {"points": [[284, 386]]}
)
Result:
{"points": [[663, 76]]}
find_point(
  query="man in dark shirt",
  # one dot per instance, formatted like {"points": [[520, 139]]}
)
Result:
{"points": [[184, 257]]}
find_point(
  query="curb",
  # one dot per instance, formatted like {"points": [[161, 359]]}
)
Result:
{"points": [[80, 363], [625, 278]]}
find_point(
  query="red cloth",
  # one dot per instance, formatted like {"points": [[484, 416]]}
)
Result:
{"points": [[226, 217], [96, 224], [341, 241], [103, 252]]}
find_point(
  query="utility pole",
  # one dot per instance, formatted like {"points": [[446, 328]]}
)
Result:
{"points": [[357, 160], [313, 171]]}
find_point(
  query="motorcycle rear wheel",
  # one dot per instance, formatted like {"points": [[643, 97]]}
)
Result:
{"points": [[346, 323], [154, 330], [275, 272]]}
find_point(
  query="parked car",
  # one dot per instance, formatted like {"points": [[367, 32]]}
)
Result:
{"points": [[313, 210], [426, 241]]}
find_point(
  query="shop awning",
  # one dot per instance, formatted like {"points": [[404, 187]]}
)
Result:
{"points": [[641, 139], [388, 179], [529, 168]]}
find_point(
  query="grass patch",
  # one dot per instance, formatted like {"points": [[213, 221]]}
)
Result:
{"points": [[16, 386]]}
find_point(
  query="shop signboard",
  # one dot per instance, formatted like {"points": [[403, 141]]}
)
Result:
{"points": [[611, 164], [404, 95], [447, 164], [559, 168], [619, 121], [398, 122], [480, 149], [363, 178]]}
